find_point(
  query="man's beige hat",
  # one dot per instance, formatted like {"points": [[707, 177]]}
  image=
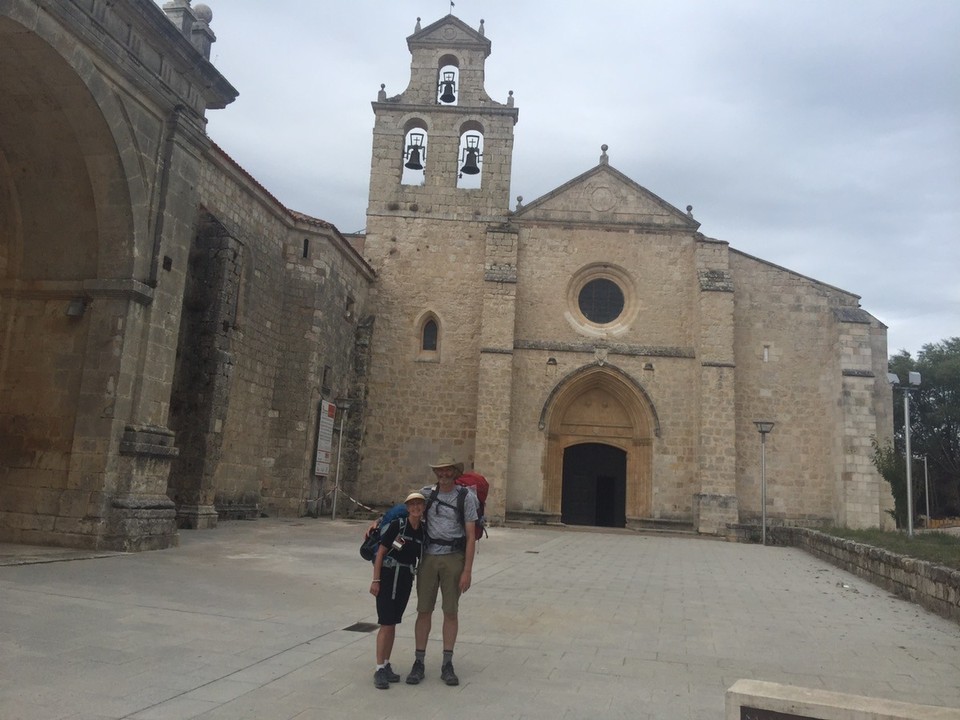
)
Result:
{"points": [[414, 496], [443, 462]]}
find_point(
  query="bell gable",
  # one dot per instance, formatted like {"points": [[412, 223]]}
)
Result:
{"points": [[451, 33]]}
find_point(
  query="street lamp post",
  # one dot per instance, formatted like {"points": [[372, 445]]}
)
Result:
{"points": [[343, 404], [764, 427], [913, 379]]}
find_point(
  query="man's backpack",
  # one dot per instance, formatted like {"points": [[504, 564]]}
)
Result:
{"points": [[478, 483], [371, 543]]}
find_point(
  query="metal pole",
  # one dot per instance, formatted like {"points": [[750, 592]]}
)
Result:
{"points": [[336, 485], [906, 425], [763, 487], [926, 488]]}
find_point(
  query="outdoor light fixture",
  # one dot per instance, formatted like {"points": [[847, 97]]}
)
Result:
{"points": [[471, 155], [343, 405], [415, 153], [913, 380], [447, 86], [764, 427]]}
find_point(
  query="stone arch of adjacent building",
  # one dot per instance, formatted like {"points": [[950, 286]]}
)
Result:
{"points": [[67, 232], [599, 415]]}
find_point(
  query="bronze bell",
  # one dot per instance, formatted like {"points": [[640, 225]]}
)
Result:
{"points": [[447, 96], [470, 164], [446, 86], [414, 162]]}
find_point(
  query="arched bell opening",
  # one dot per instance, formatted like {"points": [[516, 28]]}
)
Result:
{"points": [[470, 156], [414, 153], [600, 427], [448, 80]]}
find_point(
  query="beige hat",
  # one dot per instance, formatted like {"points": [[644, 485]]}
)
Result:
{"points": [[414, 496], [443, 462]]}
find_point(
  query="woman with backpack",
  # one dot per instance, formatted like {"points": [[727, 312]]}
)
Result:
{"points": [[401, 547]]}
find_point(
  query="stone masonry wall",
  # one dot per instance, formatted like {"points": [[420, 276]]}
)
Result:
{"points": [[301, 290], [790, 369], [421, 407]]}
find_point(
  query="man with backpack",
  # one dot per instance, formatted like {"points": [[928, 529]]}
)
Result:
{"points": [[447, 566]]}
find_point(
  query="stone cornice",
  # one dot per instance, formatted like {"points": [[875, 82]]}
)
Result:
{"points": [[611, 348], [128, 288], [137, 38], [401, 107]]}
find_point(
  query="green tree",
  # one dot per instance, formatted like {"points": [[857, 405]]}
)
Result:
{"points": [[889, 464], [934, 423]]}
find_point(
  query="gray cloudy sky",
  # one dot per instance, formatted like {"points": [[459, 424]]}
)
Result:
{"points": [[820, 135]]}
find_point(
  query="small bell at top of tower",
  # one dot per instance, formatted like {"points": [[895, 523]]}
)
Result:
{"points": [[447, 88], [415, 152], [472, 155]]}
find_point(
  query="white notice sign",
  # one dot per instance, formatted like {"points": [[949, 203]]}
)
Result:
{"points": [[328, 411]]}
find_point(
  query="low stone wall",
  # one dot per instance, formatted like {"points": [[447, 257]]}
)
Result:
{"points": [[758, 700], [934, 587]]}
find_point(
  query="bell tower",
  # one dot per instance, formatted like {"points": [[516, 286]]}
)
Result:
{"points": [[438, 380], [443, 143]]}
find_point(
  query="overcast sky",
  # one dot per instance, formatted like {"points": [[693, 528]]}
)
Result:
{"points": [[820, 135]]}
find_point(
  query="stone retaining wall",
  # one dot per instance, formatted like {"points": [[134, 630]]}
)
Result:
{"points": [[934, 587]]}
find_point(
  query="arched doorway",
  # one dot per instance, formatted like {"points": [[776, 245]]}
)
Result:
{"points": [[594, 485], [600, 426]]}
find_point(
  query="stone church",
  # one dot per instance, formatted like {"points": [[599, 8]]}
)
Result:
{"points": [[172, 338]]}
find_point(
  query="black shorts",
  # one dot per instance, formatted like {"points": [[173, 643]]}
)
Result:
{"points": [[390, 609]]}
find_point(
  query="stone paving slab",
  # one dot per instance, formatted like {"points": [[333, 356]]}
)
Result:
{"points": [[248, 621]]}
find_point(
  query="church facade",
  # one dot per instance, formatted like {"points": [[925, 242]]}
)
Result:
{"points": [[172, 338], [593, 353]]}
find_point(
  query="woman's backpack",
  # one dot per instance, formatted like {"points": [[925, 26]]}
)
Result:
{"points": [[371, 543]]}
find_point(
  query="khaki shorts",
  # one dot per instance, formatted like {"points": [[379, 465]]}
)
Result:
{"points": [[439, 572]]}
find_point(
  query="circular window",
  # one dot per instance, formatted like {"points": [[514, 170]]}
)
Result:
{"points": [[601, 301]]}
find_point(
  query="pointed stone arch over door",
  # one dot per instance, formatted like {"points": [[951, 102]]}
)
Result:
{"points": [[601, 404]]}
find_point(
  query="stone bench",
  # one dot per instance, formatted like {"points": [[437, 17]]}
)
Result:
{"points": [[758, 700]]}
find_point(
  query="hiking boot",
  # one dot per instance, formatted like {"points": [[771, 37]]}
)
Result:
{"points": [[448, 675], [416, 673], [380, 681], [391, 675]]}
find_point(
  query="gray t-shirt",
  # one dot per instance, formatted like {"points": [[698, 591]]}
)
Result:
{"points": [[442, 519]]}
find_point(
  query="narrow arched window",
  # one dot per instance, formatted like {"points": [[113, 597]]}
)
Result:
{"points": [[430, 335], [428, 339]]}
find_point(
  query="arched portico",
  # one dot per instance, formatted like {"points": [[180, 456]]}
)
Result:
{"points": [[601, 405], [66, 226], [97, 194]]}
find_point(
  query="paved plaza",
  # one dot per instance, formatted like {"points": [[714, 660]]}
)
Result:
{"points": [[249, 621]]}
